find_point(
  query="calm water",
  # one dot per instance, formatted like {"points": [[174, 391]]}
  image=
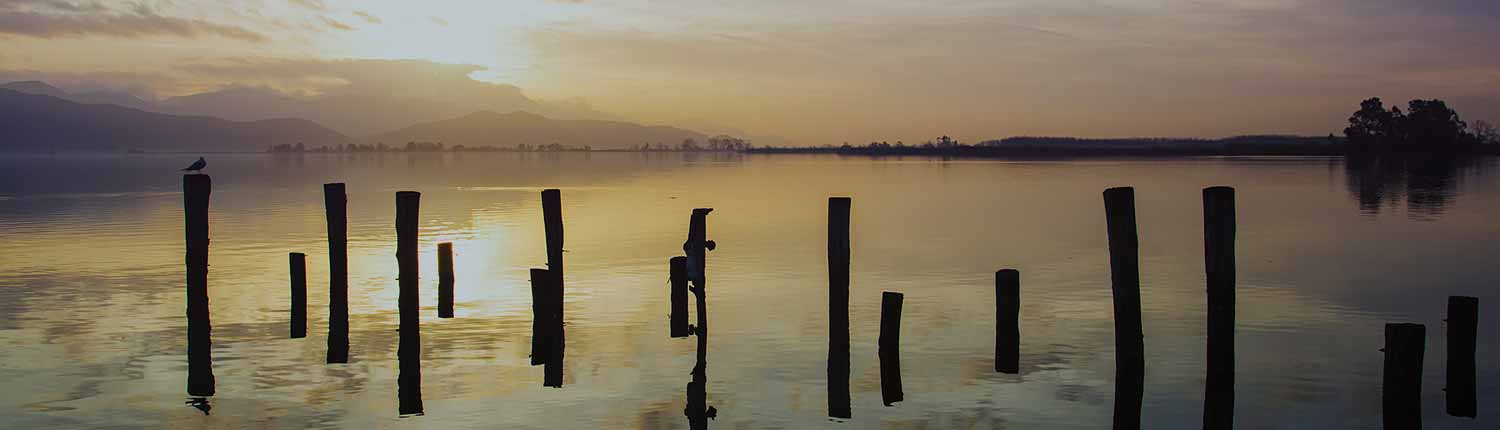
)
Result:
{"points": [[92, 330]]}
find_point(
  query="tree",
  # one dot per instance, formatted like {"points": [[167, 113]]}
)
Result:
{"points": [[1430, 124], [1373, 127], [1485, 133]]}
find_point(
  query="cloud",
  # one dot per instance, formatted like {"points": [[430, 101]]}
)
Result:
{"points": [[334, 24], [316, 5], [438, 21], [55, 19], [368, 17]]}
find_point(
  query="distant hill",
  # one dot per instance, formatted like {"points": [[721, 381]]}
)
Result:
{"points": [[29, 121], [519, 127], [93, 97], [35, 87]]}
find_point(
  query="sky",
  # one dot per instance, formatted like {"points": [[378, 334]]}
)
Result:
{"points": [[812, 72]]}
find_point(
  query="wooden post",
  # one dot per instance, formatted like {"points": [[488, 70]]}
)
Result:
{"points": [[697, 246], [298, 263], [1218, 258], [409, 350], [195, 191], [1124, 271], [335, 204], [838, 307], [679, 315], [445, 280], [1402, 389], [553, 349], [1463, 327], [552, 222], [1008, 321], [890, 348]]}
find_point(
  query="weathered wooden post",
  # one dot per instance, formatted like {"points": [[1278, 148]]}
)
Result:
{"points": [[1218, 258], [409, 350], [553, 225], [1008, 321], [1402, 389], [838, 307], [890, 348], [678, 318], [298, 262], [335, 204], [1124, 271], [1463, 327], [195, 191], [697, 246], [445, 280]]}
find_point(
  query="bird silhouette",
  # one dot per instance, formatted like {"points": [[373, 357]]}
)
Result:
{"points": [[197, 166]]}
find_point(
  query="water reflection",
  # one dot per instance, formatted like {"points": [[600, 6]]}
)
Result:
{"points": [[91, 291], [1425, 184]]}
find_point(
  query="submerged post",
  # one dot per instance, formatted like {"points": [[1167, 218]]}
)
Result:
{"points": [[445, 280], [838, 307], [890, 348], [195, 191], [298, 262], [1402, 389], [1124, 274], [335, 204], [409, 351], [1218, 259], [1463, 327], [1008, 321], [678, 318]]}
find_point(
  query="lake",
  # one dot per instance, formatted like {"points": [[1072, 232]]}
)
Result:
{"points": [[92, 288]]}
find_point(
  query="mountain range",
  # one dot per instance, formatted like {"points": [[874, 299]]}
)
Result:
{"points": [[35, 115]]}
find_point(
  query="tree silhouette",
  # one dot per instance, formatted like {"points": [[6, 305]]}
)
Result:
{"points": [[1372, 127], [1427, 126]]}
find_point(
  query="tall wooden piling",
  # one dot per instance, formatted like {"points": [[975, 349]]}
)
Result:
{"points": [[298, 262], [1402, 389], [1008, 321], [1124, 271], [678, 318], [409, 350], [445, 280], [553, 224], [1463, 328], [195, 192], [1218, 257], [335, 205], [696, 247], [838, 307], [890, 348]]}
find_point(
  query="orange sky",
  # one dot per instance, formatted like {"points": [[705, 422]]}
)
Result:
{"points": [[825, 72]]}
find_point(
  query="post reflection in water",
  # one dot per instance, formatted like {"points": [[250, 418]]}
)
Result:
{"points": [[92, 323]]}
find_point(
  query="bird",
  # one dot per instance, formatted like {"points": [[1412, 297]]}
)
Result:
{"points": [[197, 166]]}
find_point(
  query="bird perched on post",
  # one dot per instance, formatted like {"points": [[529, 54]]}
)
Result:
{"points": [[197, 166]]}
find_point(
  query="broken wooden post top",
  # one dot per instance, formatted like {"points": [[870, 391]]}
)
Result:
{"points": [[193, 184], [1007, 274]]}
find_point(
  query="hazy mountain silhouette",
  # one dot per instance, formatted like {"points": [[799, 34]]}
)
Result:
{"points": [[33, 122], [91, 97], [36, 87], [363, 112], [519, 127]]}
